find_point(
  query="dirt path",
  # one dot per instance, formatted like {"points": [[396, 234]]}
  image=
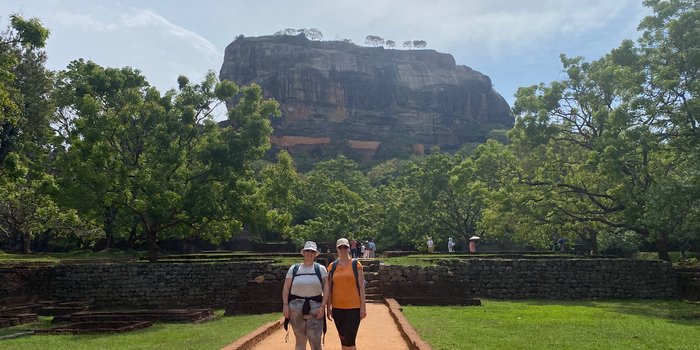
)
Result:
{"points": [[377, 331]]}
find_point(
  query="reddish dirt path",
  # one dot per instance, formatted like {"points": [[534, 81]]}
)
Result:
{"points": [[377, 331]]}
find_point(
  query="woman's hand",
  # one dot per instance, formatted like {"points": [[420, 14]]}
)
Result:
{"points": [[363, 313], [329, 313], [319, 312], [285, 310]]}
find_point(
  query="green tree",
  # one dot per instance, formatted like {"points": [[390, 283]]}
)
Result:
{"points": [[162, 159], [627, 126], [427, 203], [278, 197], [336, 201], [24, 107], [27, 207]]}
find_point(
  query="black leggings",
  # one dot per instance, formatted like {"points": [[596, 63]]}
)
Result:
{"points": [[347, 321]]}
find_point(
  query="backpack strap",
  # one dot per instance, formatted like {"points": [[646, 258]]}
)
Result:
{"points": [[295, 270], [357, 279], [317, 270]]}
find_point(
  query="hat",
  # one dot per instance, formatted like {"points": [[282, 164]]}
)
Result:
{"points": [[309, 245], [342, 241]]}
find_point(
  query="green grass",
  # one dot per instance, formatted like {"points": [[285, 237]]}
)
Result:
{"points": [[414, 260], [559, 325], [691, 257], [76, 255], [432, 259], [212, 334]]}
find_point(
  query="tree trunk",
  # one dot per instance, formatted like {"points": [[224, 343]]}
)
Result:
{"points": [[110, 213], [152, 246], [26, 243], [662, 247], [593, 241], [132, 234]]}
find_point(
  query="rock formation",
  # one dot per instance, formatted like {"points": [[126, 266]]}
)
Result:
{"points": [[337, 94]]}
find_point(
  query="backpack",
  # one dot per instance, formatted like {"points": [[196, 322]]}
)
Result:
{"points": [[354, 270], [317, 272]]}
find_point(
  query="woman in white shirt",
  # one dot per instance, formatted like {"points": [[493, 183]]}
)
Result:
{"points": [[304, 298]]}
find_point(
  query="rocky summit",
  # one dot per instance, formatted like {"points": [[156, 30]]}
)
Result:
{"points": [[335, 94]]}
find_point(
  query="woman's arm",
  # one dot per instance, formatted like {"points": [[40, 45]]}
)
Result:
{"points": [[361, 282], [285, 297], [326, 298]]}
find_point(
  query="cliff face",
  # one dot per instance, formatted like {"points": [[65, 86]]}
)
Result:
{"points": [[366, 98]]}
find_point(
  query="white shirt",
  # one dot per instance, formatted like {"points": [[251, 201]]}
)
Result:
{"points": [[306, 283]]}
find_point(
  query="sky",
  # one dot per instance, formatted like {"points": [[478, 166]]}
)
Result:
{"points": [[515, 42]]}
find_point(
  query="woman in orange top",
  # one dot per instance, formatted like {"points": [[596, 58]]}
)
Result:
{"points": [[347, 303]]}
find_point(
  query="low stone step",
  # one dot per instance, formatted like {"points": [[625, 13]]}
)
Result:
{"points": [[374, 297], [373, 290]]}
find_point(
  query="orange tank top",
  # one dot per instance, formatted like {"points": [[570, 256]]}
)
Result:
{"points": [[345, 294]]}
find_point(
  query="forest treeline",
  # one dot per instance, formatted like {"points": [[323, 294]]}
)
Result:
{"points": [[609, 156]]}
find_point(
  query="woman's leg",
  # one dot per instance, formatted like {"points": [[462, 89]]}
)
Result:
{"points": [[347, 322], [314, 327], [296, 319]]}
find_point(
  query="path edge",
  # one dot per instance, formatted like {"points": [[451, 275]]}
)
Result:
{"points": [[248, 341], [407, 331]]}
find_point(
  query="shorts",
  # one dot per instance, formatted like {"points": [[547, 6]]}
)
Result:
{"points": [[347, 322]]}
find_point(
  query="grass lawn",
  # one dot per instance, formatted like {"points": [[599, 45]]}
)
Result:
{"points": [[12, 258], [559, 325], [212, 334]]}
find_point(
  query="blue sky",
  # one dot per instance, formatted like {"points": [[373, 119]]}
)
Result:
{"points": [[515, 42]]}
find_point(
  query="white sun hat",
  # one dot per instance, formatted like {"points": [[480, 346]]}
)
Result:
{"points": [[309, 245]]}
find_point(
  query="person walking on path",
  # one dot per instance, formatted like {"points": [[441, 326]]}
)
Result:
{"points": [[347, 306], [353, 249], [304, 298], [431, 245]]}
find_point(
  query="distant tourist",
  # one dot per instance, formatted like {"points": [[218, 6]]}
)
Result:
{"points": [[371, 248], [431, 245], [450, 245], [561, 244], [473, 242], [304, 298], [354, 251], [363, 249], [347, 289]]}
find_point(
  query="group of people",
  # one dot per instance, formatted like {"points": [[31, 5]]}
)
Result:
{"points": [[363, 250], [313, 293], [473, 242]]}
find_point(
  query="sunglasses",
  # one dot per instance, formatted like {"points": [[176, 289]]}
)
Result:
{"points": [[342, 247]]}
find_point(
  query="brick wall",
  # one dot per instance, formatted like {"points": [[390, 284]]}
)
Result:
{"points": [[534, 279], [22, 283], [250, 286], [154, 285]]}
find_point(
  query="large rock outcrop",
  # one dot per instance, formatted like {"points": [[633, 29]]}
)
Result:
{"points": [[336, 94]]}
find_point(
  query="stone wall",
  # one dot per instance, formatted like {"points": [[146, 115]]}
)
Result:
{"points": [[534, 279], [24, 283], [155, 285], [243, 287]]}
